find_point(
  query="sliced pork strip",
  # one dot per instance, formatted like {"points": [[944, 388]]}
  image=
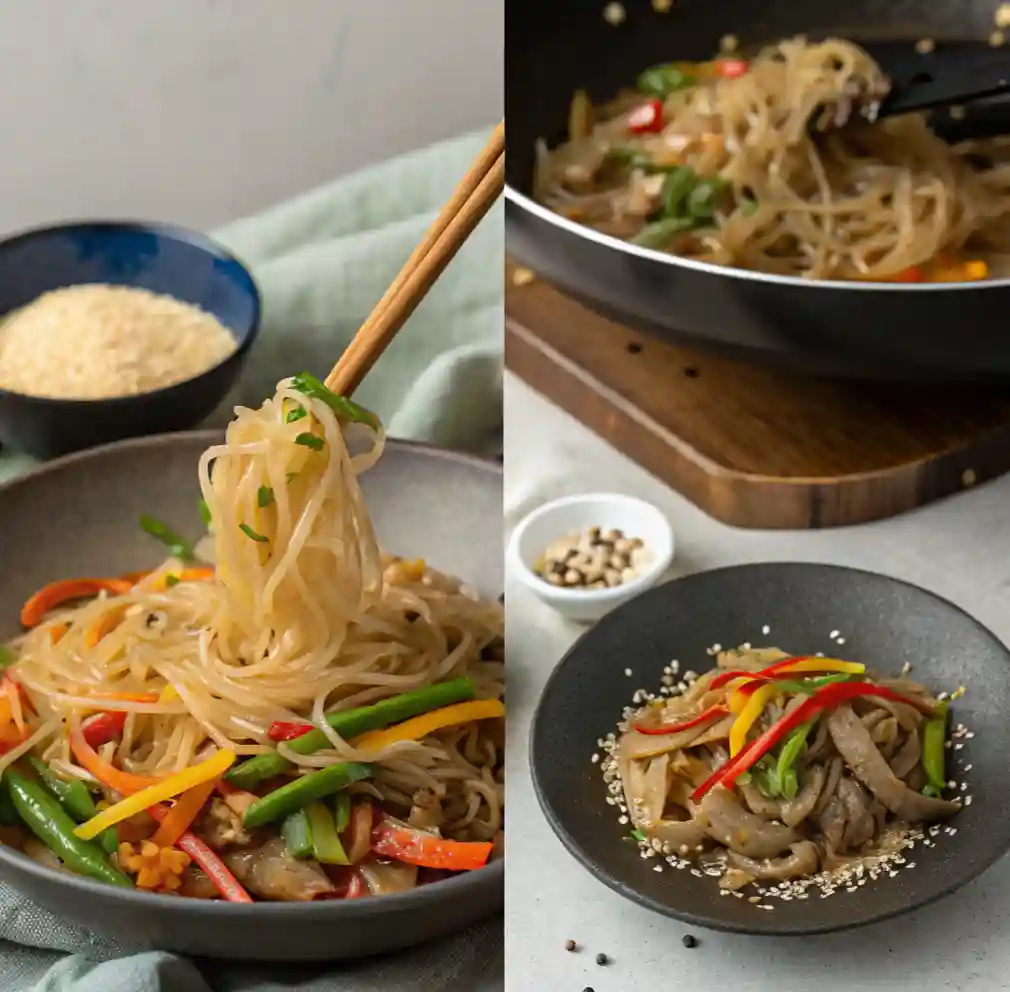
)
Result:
{"points": [[856, 747], [740, 830], [803, 859]]}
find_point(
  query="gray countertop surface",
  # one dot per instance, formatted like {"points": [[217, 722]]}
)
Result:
{"points": [[957, 548]]}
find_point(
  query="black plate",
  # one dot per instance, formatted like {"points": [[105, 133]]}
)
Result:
{"points": [[884, 622]]}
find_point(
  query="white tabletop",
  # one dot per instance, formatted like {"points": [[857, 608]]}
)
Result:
{"points": [[959, 548]]}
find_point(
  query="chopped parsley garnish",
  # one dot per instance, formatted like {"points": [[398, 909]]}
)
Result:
{"points": [[265, 496], [344, 408], [310, 441], [252, 535], [177, 545], [298, 413]]}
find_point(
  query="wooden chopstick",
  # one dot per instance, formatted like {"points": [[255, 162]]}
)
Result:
{"points": [[472, 199]]}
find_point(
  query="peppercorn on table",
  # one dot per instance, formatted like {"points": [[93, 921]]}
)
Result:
{"points": [[956, 548]]}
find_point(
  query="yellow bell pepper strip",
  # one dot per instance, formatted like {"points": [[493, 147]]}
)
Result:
{"points": [[182, 815], [428, 723], [826, 698], [749, 715], [207, 771]]}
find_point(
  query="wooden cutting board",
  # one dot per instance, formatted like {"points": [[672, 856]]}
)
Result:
{"points": [[751, 446]]}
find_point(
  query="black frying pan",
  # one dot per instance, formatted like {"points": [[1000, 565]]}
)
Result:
{"points": [[900, 332]]}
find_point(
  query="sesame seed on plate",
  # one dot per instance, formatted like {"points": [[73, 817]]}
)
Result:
{"points": [[628, 672]]}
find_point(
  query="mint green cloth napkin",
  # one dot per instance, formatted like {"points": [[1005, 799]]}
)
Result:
{"points": [[321, 262]]}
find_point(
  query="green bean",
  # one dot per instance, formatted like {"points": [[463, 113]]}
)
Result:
{"points": [[934, 736], [51, 824], [297, 833], [350, 723], [72, 794], [299, 792]]}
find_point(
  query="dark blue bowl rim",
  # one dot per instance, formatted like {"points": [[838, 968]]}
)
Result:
{"points": [[184, 234]]}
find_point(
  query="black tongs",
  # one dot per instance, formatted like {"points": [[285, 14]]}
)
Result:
{"points": [[961, 82]]}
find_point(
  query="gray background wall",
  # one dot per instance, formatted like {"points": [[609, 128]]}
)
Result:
{"points": [[200, 111]]}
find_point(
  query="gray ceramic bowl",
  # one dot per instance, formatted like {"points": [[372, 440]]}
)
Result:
{"points": [[78, 516]]}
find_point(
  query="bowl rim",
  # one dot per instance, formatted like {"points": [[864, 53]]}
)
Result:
{"points": [[186, 235], [492, 875], [648, 576], [524, 202], [630, 891]]}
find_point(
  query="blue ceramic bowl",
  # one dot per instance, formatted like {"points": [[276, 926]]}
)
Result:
{"points": [[156, 257]]}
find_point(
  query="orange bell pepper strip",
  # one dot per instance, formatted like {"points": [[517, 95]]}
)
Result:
{"points": [[182, 815], [393, 839], [109, 775], [57, 593]]}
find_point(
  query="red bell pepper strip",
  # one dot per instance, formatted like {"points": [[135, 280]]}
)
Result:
{"points": [[103, 727], [730, 68], [720, 680], [285, 730], [673, 728], [224, 881], [393, 839], [827, 698], [646, 118]]}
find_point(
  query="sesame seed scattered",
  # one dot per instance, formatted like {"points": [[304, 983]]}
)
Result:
{"points": [[834, 634], [839, 640], [766, 629], [628, 672], [614, 14]]}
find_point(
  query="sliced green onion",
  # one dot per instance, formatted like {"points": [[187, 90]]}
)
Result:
{"points": [[177, 545], [638, 835], [662, 80], [265, 496], [171, 580], [204, 512], [298, 413], [252, 535], [309, 440], [344, 408], [6, 657]]}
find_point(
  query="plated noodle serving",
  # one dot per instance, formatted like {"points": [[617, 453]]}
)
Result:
{"points": [[280, 712], [775, 774], [718, 161]]}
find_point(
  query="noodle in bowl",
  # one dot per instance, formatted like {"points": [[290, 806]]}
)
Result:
{"points": [[723, 167], [297, 618]]}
